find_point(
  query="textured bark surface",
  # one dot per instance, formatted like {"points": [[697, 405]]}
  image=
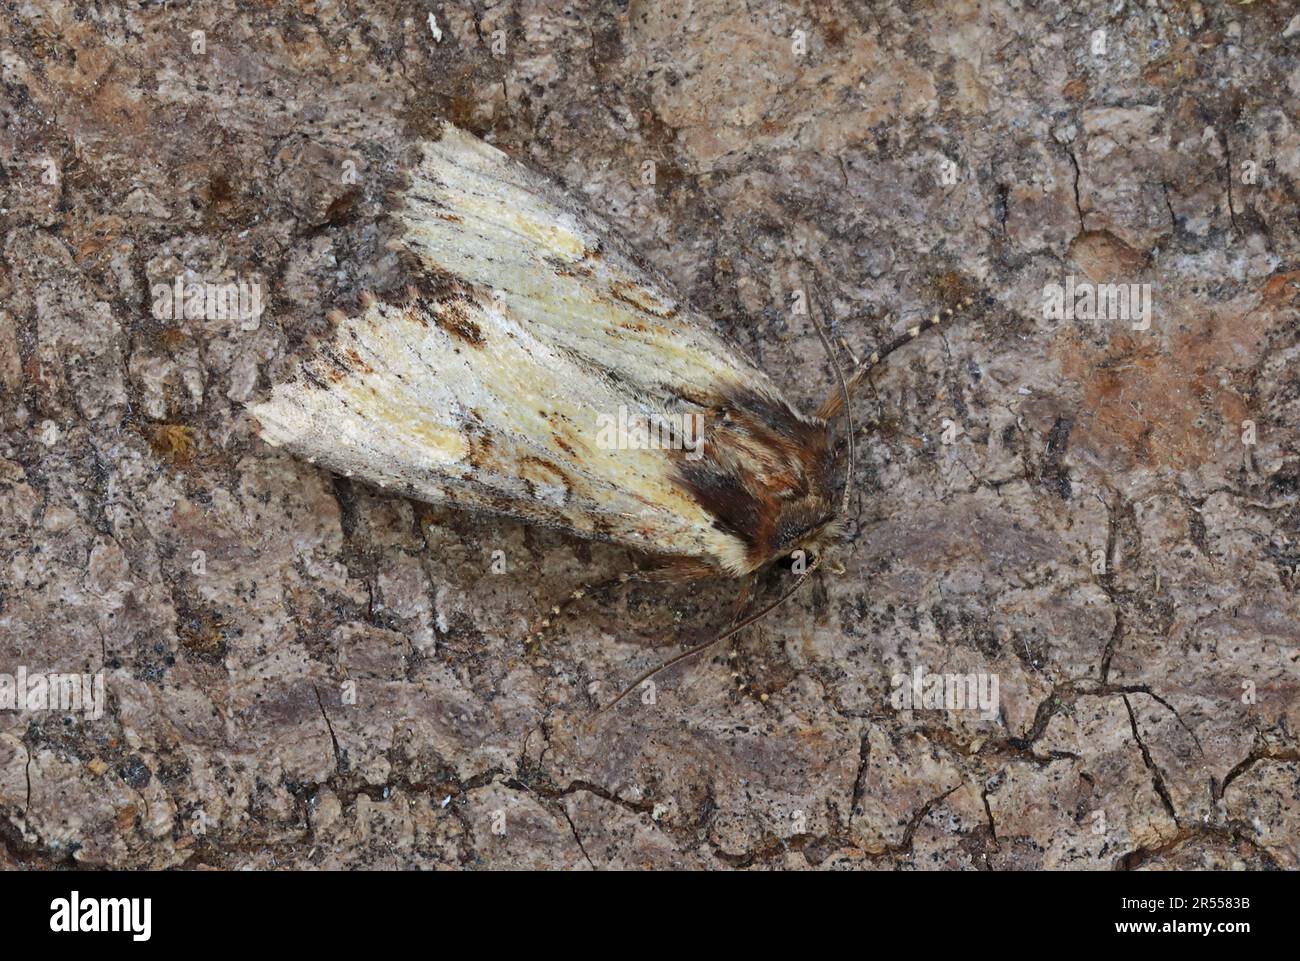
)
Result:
{"points": [[1068, 506]]}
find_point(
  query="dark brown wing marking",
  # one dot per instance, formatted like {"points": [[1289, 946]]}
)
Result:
{"points": [[765, 474]]}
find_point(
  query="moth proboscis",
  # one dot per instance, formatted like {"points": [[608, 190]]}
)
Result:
{"points": [[485, 378]]}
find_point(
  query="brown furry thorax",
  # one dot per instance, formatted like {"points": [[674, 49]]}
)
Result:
{"points": [[767, 476]]}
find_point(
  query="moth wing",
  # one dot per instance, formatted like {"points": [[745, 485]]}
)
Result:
{"points": [[475, 213], [461, 402], [513, 371]]}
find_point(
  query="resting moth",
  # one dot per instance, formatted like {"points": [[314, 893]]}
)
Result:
{"points": [[522, 325]]}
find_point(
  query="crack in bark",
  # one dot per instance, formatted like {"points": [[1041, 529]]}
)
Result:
{"points": [[1173, 220], [577, 837], [1227, 153], [1078, 206], [1226, 834], [838, 840], [988, 813], [1157, 778], [339, 762], [1245, 764], [860, 778], [27, 774], [555, 804]]}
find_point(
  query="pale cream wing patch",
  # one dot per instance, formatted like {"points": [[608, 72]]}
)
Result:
{"points": [[481, 216], [505, 425], [482, 387]]}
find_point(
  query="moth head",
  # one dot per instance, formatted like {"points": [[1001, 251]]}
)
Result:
{"points": [[808, 528], [821, 538]]}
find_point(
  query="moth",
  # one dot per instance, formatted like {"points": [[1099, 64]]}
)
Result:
{"points": [[520, 328]]}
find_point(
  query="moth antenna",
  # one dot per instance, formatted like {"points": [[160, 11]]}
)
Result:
{"points": [[839, 401], [729, 632]]}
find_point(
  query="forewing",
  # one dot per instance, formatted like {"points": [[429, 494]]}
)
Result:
{"points": [[490, 379], [477, 214]]}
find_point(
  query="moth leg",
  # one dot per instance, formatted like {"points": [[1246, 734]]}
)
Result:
{"points": [[544, 623], [669, 571], [738, 608], [742, 601], [763, 669], [745, 685], [698, 649], [681, 569], [738, 621]]}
